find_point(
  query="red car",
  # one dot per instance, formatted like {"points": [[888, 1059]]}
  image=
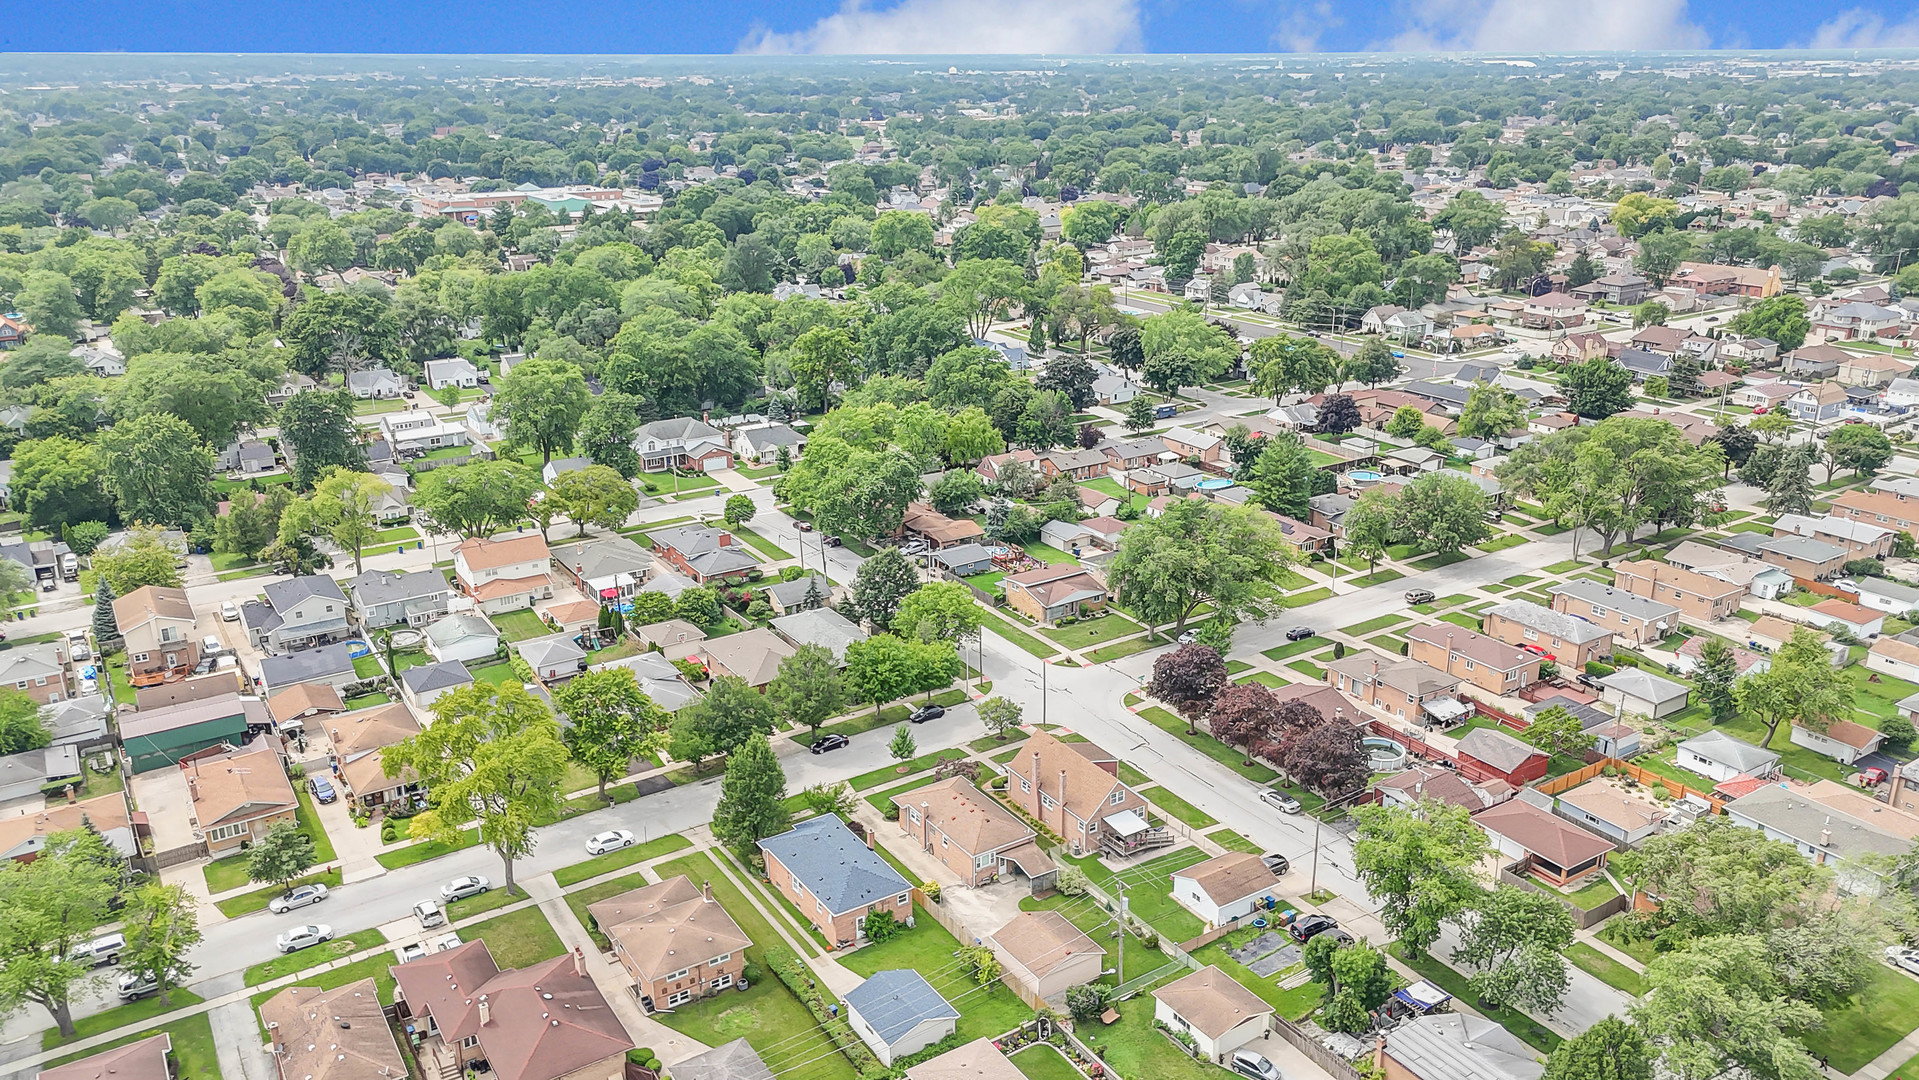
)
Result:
{"points": [[1872, 777], [1759, 410], [1537, 651]]}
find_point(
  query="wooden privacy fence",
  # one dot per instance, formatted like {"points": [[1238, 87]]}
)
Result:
{"points": [[1626, 768]]}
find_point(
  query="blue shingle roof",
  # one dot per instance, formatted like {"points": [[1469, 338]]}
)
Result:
{"points": [[893, 1003], [823, 855]]}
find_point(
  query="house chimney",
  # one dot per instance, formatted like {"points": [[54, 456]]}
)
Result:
{"points": [[706, 890], [869, 839], [193, 787], [486, 1011], [1036, 784], [1062, 800], [579, 961], [926, 824]]}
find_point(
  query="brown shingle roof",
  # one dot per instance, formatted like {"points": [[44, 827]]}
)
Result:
{"points": [[240, 785], [483, 554], [150, 602], [969, 819], [1473, 645], [668, 926], [1550, 837], [1087, 785], [338, 1034], [1040, 941], [977, 1060], [1212, 1001], [143, 1060], [1232, 876], [547, 1022], [301, 699]]}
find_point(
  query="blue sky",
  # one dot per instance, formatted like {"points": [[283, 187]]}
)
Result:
{"points": [[949, 26]]}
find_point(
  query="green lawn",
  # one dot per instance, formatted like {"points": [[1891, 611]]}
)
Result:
{"points": [[520, 625], [1149, 891], [1090, 632], [377, 967], [866, 781], [1005, 628], [1134, 1048], [325, 953], [308, 818], [193, 1047], [518, 939], [1361, 629], [1606, 969], [1232, 841], [614, 860], [1124, 648], [368, 666], [581, 899], [1310, 596], [1434, 562], [1501, 543], [1293, 1004], [496, 674], [133, 1012], [1042, 1062], [257, 900], [1640, 949], [493, 899], [367, 701], [1878, 1017], [1179, 808], [1266, 679], [421, 850], [1211, 747], [1309, 669], [928, 949], [1294, 648], [762, 545]]}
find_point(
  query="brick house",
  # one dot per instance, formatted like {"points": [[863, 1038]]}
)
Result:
{"points": [[1864, 539], [238, 795], [674, 940], [462, 1008], [1706, 599], [1633, 618], [38, 671], [503, 575], [1075, 790], [1568, 641], [1492, 665], [833, 879], [1804, 557], [1054, 592], [970, 834], [1404, 689], [1884, 508], [1078, 464], [701, 553]]}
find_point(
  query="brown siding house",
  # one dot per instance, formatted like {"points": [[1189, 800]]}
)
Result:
{"points": [[1707, 599], [1486, 662], [1567, 641]]}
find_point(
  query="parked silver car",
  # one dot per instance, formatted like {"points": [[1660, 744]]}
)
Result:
{"points": [[301, 897], [303, 937]]}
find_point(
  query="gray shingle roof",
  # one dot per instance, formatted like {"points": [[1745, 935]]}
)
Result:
{"points": [[1606, 596], [602, 557], [1495, 748], [825, 856], [376, 587], [893, 1003], [284, 594], [426, 678], [820, 626], [1643, 685], [296, 667], [1547, 621], [1734, 753]]}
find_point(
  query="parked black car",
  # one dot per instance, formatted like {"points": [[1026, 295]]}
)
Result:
{"points": [[829, 742], [1310, 926], [924, 713]]}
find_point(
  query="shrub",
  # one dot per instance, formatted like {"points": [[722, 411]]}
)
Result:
{"points": [[1072, 881], [1088, 1001], [881, 927], [1594, 667]]}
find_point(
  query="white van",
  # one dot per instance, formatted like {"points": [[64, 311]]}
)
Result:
{"points": [[105, 949]]}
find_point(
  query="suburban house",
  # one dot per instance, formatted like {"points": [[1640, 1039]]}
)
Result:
{"points": [[1212, 1007], [1226, 888], [1610, 809], [1455, 1046], [834, 880], [1866, 540], [1843, 741], [1491, 753], [1642, 693], [676, 639], [37, 671], [702, 553], [329, 664], [452, 371], [754, 656], [761, 443], [423, 684], [1404, 689], [337, 1034], [1075, 790], [1188, 443], [145, 1059], [1078, 464], [462, 636], [970, 834], [1833, 825], [1834, 613], [1624, 289], [547, 1021], [1719, 756], [922, 522], [736, 1060], [1800, 556], [1758, 577], [394, 598], [298, 613], [820, 626], [674, 939], [1567, 640], [160, 738], [1043, 955], [1634, 618], [376, 383], [1421, 782], [411, 434], [507, 574], [79, 722], [897, 1014], [358, 737], [553, 658], [247, 457], [608, 569], [1896, 655], [239, 794], [1698, 597], [1554, 848], [157, 624], [1486, 662], [1817, 402], [293, 707], [1881, 594], [682, 443], [1054, 592], [659, 679], [804, 593], [25, 775], [1884, 508]]}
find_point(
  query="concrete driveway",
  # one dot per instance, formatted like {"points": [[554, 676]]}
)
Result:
{"points": [[163, 795]]}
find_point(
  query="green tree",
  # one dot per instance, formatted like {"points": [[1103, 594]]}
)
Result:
{"points": [[1420, 865], [999, 715], [606, 432], [1800, 687], [1282, 476], [492, 755], [217, 398], [1490, 411], [1206, 350], [1598, 388], [595, 495], [339, 331], [1790, 490], [1863, 448], [611, 722], [20, 726], [1715, 675], [1446, 510], [1283, 364], [819, 358], [1373, 364], [50, 305], [1198, 553], [1661, 253], [883, 582], [1559, 733], [344, 507], [1514, 942], [1782, 318], [47, 907], [938, 611], [903, 746], [1719, 1005], [739, 510], [1139, 414], [1372, 524], [158, 469], [1740, 881], [808, 690], [280, 856], [477, 499], [59, 480], [318, 428], [1612, 1049], [162, 924], [752, 798], [144, 556], [982, 291], [732, 712], [885, 668], [106, 630], [1406, 422], [542, 402]]}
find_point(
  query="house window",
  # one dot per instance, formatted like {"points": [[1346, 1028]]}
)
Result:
{"points": [[1599, 612], [469, 1042], [913, 814], [1118, 796], [981, 862], [1532, 635], [722, 981], [680, 974], [721, 959], [1046, 800], [224, 832], [678, 997], [903, 898], [139, 658], [819, 908], [943, 840]]}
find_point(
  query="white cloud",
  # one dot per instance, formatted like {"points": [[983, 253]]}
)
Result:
{"points": [[1861, 29], [962, 27], [1550, 25]]}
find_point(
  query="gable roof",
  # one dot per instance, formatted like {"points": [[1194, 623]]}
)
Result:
{"points": [[668, 925], [754, 655], [1455, 1046], [1212, 1001], [547, 1021], [150, 602], [820, 626], [823, 855], [1473, 645], [319, 663], [1040, 941], [142, 1060], [392, 587], [1643, 685], [426, 678], [1087, 784], [736, 1060], [302, 699], [1543, 833], [1717, 746], [1607, 596], [282, 595], [484, 554], [971, 820], [1558, 624], [1497, 749], [895, 1002], [977, 1060], [1230, 877]]}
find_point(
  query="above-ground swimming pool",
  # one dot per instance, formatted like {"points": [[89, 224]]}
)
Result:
{"points": [[1214, 483], [356, 648], [1385, 754], [1365, 476]]}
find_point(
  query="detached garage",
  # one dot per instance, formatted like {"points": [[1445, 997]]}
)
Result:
{"points": [[159, 738]]}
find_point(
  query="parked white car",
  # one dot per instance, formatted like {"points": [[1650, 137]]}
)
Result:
{"points": [[303, 937], [298, 898], [604, 842], [229, 613], [1904, 958], [462, 887]]}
